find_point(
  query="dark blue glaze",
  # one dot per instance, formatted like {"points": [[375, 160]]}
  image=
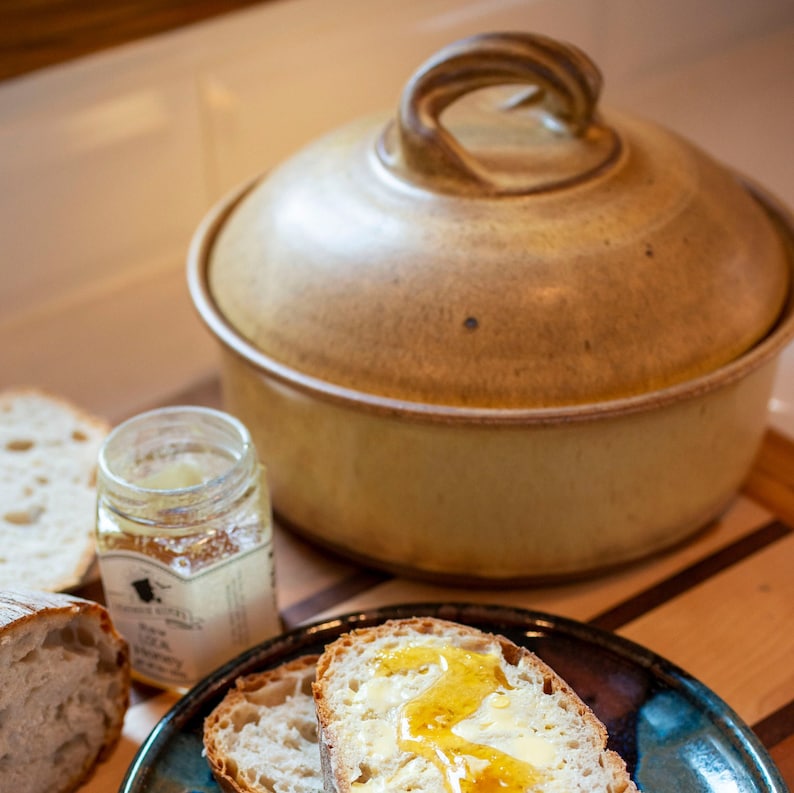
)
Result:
{"points": [[675, 734]]}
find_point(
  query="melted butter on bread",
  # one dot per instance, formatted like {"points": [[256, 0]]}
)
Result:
{"points": [[457, 719], [496, 724]]}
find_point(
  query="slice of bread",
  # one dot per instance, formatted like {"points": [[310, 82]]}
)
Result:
{"points": [[48, 452], [426, 704], [262, 737], [65, 690]]}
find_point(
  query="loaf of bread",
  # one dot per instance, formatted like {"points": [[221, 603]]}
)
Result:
{"points": [[428, 705], [48, 452], [262, 737], [65, 690]]}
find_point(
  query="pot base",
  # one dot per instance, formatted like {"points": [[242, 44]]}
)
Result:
{"points": [[483, 582]]}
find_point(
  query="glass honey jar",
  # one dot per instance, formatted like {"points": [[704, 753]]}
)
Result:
{"points": [[185, 542]]}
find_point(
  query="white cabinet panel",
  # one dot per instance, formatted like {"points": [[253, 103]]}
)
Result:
{"points": [[299, 76], [737, 103], [94, 187], [649, 37], [115, 349]]}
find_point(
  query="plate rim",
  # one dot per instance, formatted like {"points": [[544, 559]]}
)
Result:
{"points": [[742, 736]]}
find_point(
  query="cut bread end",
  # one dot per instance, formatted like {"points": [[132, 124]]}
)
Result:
{"points": [[66, 684]]}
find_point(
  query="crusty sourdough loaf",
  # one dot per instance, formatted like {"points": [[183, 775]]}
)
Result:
{"points": [[48, 451], [428, 705], [65, 690], [262, 737]]}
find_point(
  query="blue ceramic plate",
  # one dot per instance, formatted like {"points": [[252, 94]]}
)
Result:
{"points": [[675, 734]]}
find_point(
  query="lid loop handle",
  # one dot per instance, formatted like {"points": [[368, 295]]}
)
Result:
{"points": [[563, 79]]}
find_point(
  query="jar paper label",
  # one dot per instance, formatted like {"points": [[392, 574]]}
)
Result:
{"points": [[182, 628]]}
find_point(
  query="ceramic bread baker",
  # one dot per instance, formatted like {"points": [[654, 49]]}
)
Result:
{"points": [[504, 334]]}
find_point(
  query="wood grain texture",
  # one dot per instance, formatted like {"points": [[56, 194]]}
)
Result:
{"points": [[783, 756], [39, 33], [727, 629]]}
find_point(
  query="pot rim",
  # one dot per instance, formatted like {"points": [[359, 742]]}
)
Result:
{"points": [[225, 332]]}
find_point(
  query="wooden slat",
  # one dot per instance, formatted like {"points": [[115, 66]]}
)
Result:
{"points": [[681, 582], [783, 756], [777, 727], [733, 632]]}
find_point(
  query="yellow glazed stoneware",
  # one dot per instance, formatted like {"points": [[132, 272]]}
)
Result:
{"points": [[504, 336]]}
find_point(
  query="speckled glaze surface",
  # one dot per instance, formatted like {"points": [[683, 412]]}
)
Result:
{"points": [[547, 253], [460, 374], [497, 503], [675, 734]]}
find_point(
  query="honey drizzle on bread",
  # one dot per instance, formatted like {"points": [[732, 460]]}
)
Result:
{"points": [[360, 724]]}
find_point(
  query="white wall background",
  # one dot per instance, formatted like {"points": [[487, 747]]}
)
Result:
{"points": [[107, 164]]}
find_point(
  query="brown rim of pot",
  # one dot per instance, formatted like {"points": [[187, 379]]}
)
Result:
{"points": [[225, 332]]}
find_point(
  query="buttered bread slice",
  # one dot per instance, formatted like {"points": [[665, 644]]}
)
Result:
{"points": [[423, 704]]}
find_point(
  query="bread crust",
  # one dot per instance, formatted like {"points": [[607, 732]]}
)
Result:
{"points": [[334, 752], [22, 611]]}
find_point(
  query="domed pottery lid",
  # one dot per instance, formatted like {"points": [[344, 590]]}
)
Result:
{"points": [[499, 244]]}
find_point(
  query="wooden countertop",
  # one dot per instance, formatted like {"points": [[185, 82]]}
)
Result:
{"points": [[721, 606]]}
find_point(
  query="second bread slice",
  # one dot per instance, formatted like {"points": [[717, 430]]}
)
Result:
{"points": [[262, 737]]}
